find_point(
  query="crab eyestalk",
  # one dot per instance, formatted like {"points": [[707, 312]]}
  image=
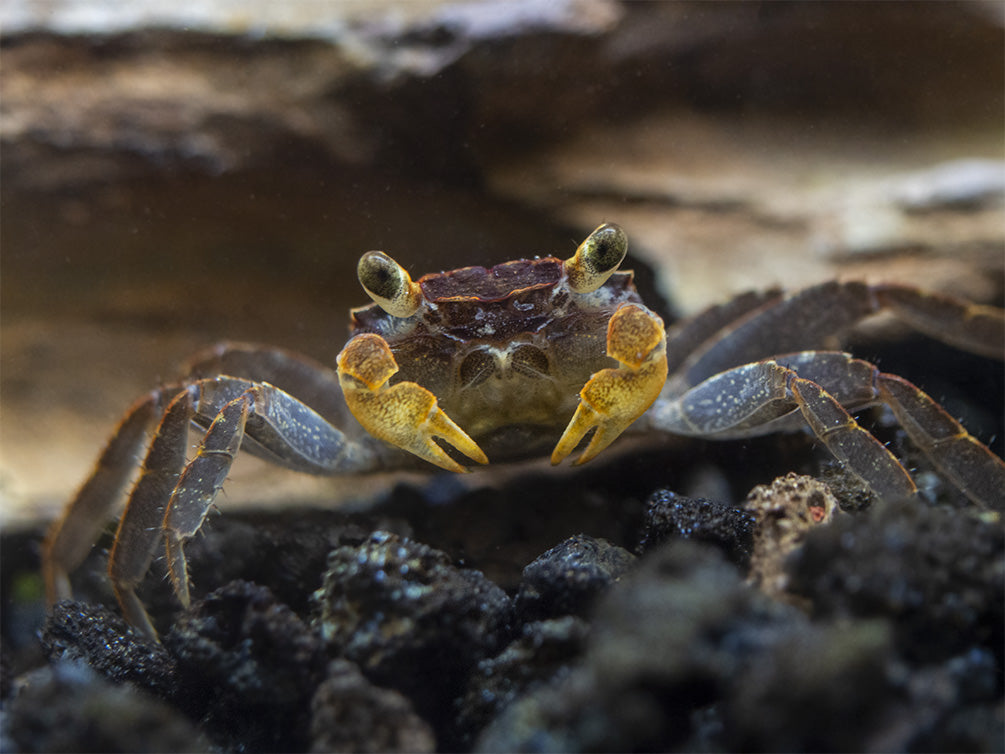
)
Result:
{"points": [[388, 284], [597, 258]]}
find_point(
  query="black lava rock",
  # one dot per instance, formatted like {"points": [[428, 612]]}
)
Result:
{"points": [[249, 667], [670, 516], [68, 707], [825, 688], [411, 620], [567, 579], [92, 634], [287, 556], [666, 642], [960, 701], [684, 656], [543, 650], [350, 714], [937, 574]]}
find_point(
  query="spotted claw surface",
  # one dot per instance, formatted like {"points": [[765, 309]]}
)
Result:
{"points": [[406, 414], [614, 398]]}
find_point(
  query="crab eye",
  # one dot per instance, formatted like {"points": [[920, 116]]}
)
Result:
{"points": [[388, 284], [597, 258]]}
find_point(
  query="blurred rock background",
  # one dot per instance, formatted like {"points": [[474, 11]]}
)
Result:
{"points": [[174, 176]]}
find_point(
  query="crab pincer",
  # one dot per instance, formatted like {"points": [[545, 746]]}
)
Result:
{"points": [[614, 398], [406, 415]]}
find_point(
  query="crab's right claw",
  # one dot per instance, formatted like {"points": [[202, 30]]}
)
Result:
{"points": [[614, 398], [406, 414]]}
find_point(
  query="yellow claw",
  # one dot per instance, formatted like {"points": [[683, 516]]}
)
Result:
{"points": [[614, 398], [405, 415]]}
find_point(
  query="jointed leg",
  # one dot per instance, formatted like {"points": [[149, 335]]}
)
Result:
{"points": [[855, 447], [961, 458], [71, 537], [199, 485], [753, 326], [972, 327], [140, 527], [757, 398], [74, 533], [964, 460], [173, 497], [280, 428], [310, 381]]}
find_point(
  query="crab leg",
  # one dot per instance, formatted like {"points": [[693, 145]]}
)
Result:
{"points": [[174, 497], [968, 463], [614, 398], [140, 526], [199, 484], [282, 428], [773, 323], [864, 455], [406, 414], [313, 383], [305, 441], [761, 397], [695, 334], [854, 383], [74, 533], [972, 327], [755, 398]]}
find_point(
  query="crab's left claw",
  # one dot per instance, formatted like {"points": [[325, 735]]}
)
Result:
{"points": [[406, 414], [614, 398]]}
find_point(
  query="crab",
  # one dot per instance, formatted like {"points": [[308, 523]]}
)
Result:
{"points": [[531, 354]]}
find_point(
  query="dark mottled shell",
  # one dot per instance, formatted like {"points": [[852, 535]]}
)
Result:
{"points": [[494, 284], [490, 304]]}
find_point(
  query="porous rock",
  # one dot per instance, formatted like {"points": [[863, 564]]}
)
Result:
{"points": [[249, 666], [826, 688], [99, 638], [960, 701], [68, 707], [786, 510], [350, 714], [5, 671], [567, 579], [543, 650], [684, 656], [937, 574], [671, 516], [411, 620], [288, 556], [665, 643]]}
